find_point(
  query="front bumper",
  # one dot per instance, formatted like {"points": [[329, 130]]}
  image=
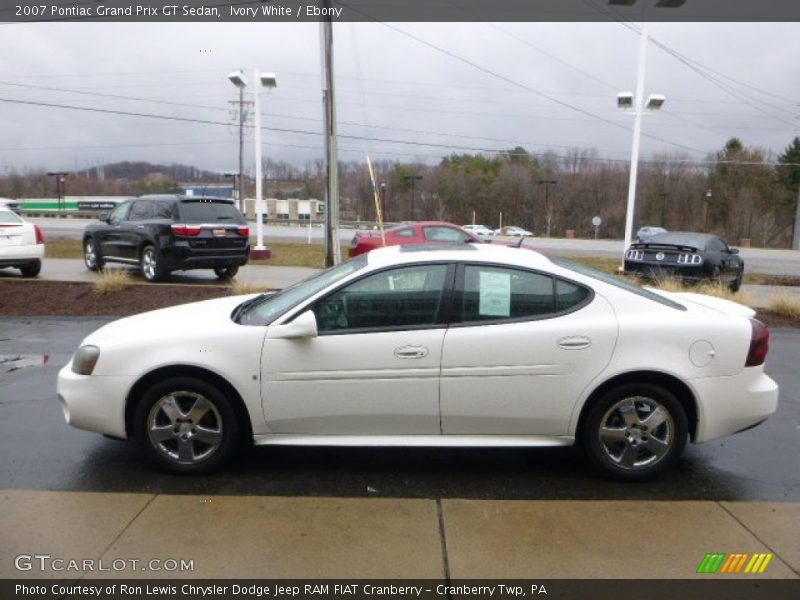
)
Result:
{"points": [[94, 403], [727, 405]]}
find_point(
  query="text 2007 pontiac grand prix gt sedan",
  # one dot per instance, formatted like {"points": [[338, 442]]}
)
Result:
{"points": [[464, 345]]}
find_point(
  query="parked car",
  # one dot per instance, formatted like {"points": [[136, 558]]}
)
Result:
{"points": [[513, 231], [21, 243], [646, 232], [478, 229], [9, 204], [690, 257], [455, 345], [423, 232], [169, 233]]}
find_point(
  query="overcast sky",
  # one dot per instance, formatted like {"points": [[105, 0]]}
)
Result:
{"points": [[390, 87]]}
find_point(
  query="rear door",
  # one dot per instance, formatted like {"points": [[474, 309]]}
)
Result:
{"points": [[521, 347]]}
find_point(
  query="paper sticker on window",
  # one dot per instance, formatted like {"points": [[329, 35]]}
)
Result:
{"points": [[495, 294]]}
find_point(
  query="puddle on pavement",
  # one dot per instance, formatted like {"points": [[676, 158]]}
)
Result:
{"points": [[14, 362]]}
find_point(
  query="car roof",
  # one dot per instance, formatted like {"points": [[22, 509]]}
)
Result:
{"points": [[490, 253], [424, 224], [182, 198]]}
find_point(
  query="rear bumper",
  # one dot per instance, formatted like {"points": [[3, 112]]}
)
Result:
{"points": [[11, 256], [728, 405], [655, 271], [183, 257]]}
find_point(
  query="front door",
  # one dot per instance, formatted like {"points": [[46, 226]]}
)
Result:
{"points": [[374, 367]]}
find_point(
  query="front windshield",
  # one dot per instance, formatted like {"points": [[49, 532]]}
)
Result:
{"points": [[268, 308]]}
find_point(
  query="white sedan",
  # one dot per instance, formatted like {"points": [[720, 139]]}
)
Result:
{"points": [[21, 243], [513, 231], [463, 345], [481, 230]]}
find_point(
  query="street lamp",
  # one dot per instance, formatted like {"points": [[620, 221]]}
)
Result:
{"points": [[268, 81], [413, 179], [237, 79], [547, 213], [61, 178]]}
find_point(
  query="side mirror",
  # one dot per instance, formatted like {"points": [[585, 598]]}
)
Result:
{"points": [[105, 217], [734, 251], [303, 326]]}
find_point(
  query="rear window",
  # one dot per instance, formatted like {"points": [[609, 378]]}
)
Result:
{"points": [[210, 211], [7, 216]]}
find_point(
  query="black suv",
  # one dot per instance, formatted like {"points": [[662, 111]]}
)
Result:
{"points": [[170, 233]]}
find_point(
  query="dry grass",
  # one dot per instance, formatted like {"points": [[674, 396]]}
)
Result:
{"points": [[785, 306], [717, 290], [110, 281], [239, 288]]}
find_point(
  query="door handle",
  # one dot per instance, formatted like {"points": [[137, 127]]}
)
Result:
{"points": [[574, 342], [411, 352]]}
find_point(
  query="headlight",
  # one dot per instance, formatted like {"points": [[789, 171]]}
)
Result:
{"points": [[85, 359]]}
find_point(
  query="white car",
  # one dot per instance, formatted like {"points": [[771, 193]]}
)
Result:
{"points": [[21, 243], [462, 345], [513, 231], [478, 229]]}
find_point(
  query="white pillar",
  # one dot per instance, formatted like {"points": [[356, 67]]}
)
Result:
{"points": [[260, 248]]}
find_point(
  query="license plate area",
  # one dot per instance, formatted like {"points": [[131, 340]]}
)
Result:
{"points": [[219, 233]]}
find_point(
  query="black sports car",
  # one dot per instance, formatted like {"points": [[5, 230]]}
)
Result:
{"points": [[690, 257]]}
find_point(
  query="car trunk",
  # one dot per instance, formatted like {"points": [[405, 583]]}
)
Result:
{"points": [[13, 231], [212, 225]]}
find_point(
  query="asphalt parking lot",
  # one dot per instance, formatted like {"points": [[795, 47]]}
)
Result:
{"points": [[42, 453]]}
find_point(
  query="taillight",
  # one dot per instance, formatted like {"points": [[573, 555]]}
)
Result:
{"points": [[690, 259], [634, 255], [39, 234], [243, 231], [759, 344], [186, 230]]}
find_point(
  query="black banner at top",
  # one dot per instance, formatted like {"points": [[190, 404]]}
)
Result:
{"points": [[398, 10]]}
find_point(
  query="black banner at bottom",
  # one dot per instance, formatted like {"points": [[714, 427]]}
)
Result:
{"points": [[378, 589]]}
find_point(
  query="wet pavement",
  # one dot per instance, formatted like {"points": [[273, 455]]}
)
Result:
{"points": [[40, 452]]}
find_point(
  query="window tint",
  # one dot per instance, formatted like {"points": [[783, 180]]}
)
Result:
{"points": [[492, 293], [120, 213], [163, 210], [569, 295], [140, 210], [210, 211], [405, 233], [397, 298], [717, 245], [444, 234]]}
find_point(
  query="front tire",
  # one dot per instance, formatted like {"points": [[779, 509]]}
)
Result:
{"points": [[187, 426], [150, 264], [91, 256], [635, 431], [31, 269]]}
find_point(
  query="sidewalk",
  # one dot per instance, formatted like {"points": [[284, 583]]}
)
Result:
{"points": [[309, 537]]}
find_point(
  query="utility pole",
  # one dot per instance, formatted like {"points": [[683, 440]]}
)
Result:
{"points": [[547, 212], [664, 209], [796, 241], [413, 178], [332, 249], [243, 115]]}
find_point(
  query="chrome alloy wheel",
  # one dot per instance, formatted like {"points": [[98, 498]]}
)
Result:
{"points": [[636, 432], [149, 263], [90, 255], [185, 427]]}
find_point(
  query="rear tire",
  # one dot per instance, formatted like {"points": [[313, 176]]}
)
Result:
{"points": [[227, 272], [635, 431], [150, 264], [736, 284], [187, 426], [31, 269]]}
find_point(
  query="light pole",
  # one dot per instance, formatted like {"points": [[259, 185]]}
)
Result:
{"points": [[706, 201], [664, 196], [383, 201], [268, 81], [547, 216], [413, 178], [61, 178]]}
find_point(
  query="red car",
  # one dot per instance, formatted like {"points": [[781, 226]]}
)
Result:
{"points": [[423, 232]]}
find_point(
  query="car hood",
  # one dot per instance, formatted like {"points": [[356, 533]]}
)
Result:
{"points": [[183, 319], [720, 305]]}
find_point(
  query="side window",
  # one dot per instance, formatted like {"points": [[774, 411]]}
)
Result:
{"points": [[406, 297], [140, 211], [120, 213], [718, 246], [406, 233], [163, 210], [569, 295], [444, 234], [492, 293]]}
